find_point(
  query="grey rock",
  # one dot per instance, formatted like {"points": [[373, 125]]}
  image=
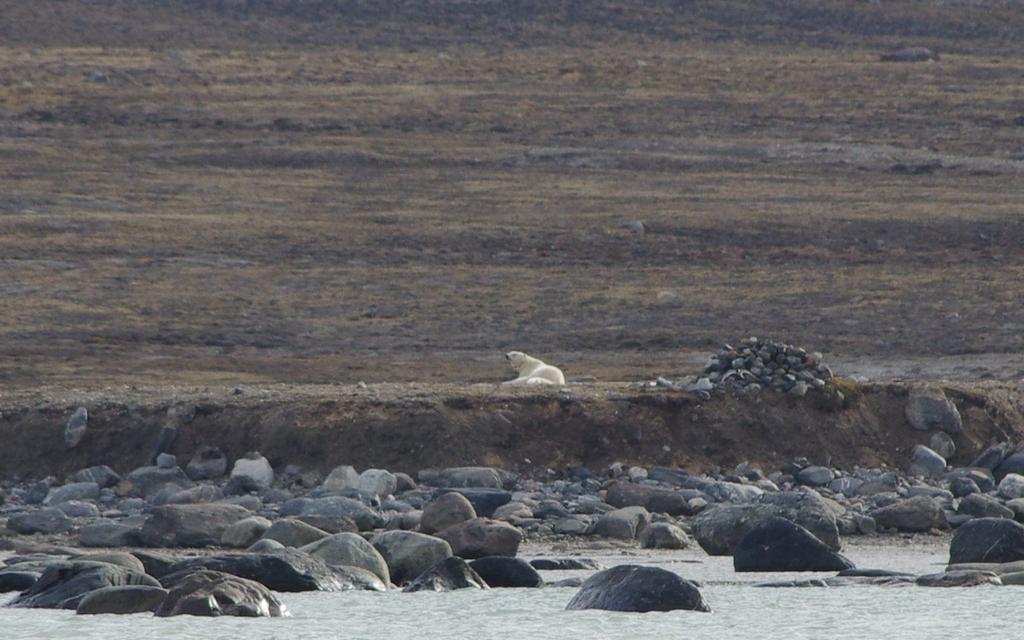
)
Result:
{"points": [[189, 525], [485, 501], [49, 520], [942, 444], [652, 498], [565, 564], [196, 495], [1013, 463], [780, 545], [929, 409], [916, 514], [377, 482], [980, 505], [264, 545], [63, 585], [352, 550], [119, 558], [987, 540], [926, 462], [482, 537], [1011, 486], [102, 475], [122, 600], [14, 580], [503, 572], [959, 579], [815, 476], [637, 588], [572, 526], [342, 477], [254, 467], [245, 532], [74, 491], [76, 427], [622, 524], [147, 481], [447, 575], [663, 535], [207, 463], [79, 509], [409, 554], [991, 457], [294, 533], [214, 593], [335, 506], [445, 511], [109, 533], [166, 461]]}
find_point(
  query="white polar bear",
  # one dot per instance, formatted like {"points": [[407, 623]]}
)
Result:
{"points": [[532, 371]]}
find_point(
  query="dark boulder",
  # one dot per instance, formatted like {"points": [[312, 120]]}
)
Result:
{"points": [[564, 564], [449, 574], [485, 501], [212, 593], [63, 584], [14, 580], [780, 545], [987, 540], [285, 570], [49, 520], [501, 571], [980, 505], [636, 588], [122, 600]]}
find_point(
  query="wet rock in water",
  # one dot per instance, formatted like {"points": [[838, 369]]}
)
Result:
{"points": [[350, 549], [916, 514], [958, 579], [207, 463], [76, 427], [482, 537], [245, 532], [49, 520], [980, 505], [447, 575], [14, 580], [663, 535], [815, 476], [102, 475], [987, 540], [636, 588], [565, 564], [146, 481], [719, 529], [255, 467], [910, 54], [485, 501], [213, 593], [500, 571], [294, 533], [377, 482], [929, 409], [122, 600], [445, 511], [189, 525], [780, 545], [408, 554], [286, 570], [622, 524], [925, 462], [941, 443], [335, 507], [63, 585], [73, 491]]}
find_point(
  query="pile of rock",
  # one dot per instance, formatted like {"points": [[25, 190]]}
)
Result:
{"points": [[757, 364]]}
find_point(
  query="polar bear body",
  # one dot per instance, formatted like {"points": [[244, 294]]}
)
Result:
{"points": [[533, 371]]}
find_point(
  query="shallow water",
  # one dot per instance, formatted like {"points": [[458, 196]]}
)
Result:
{"points": [[740, 610]]}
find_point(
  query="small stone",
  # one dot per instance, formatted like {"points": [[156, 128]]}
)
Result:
{"points": [[166, 461]]}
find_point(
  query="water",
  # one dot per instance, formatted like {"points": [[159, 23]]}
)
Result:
{"points": [[740, 610]]}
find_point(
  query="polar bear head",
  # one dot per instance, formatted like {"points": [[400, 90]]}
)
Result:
{"points": [[519, 360]]}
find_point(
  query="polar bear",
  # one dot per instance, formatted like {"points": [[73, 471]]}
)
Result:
{"points": [[533, 371]]}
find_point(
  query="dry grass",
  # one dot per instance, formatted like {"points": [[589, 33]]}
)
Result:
{"points": [[314, 211]]}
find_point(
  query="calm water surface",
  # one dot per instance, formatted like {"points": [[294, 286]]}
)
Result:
{"points": [[740, 611]]}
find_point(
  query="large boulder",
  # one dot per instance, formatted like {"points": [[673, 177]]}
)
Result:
{"points": [[120, 558], [409, 554], [925, 462], [352, 550], [245, 532], [447, 575], [212, 593], [719, 529], [1011, 486], [987, 540], [1013, 463], [920, 513], [73, 491], [335, 507], [445, 511], [482, 537], [501, 571], [102, 475], [122, 600], [654, 499], [294, 533], [636, 588], [622, 524], [49, 520], [14, 580], [663, 535], [979, 505], [928, 409], [342, 477], [147, 481], [190, 525], [110, 533], [63, 585], [485, 501], [482, 477], [254, 467], [780, 545], [284, 570], [377, 482]]}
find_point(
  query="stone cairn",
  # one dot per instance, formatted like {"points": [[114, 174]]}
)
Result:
{"points": [[755, 365]]}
